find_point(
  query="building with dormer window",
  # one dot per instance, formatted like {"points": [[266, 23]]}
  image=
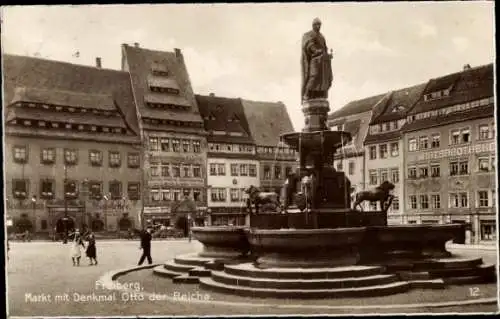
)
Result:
{"points": [[450, 152]]}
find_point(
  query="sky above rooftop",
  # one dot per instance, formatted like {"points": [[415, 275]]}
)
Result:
{"points": [[252, 51]]}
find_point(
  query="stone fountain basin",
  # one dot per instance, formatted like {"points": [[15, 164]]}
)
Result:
{"points": [[222, 241], [316, 140]]}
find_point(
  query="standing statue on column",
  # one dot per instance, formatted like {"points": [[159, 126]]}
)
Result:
{"points": [[316, 64]]}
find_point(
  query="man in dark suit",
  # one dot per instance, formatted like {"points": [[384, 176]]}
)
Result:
{"points": [[146, 246]]}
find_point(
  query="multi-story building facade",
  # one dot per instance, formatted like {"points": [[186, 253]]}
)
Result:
{"points": [[267, 121], [450, 153], [174, 138], [232, 165], [72, 159], [353, 118], [384, 146]]}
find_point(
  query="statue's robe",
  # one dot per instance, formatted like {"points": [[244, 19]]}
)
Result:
{"points": [[316, 66]]}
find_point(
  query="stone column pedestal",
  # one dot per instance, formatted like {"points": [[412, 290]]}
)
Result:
{"points": [[315, 113]]}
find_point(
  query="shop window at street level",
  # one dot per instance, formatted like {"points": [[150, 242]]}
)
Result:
{"points": [[95, 158], [20, 188], [48, 156], [20, 154], [488, 231]]}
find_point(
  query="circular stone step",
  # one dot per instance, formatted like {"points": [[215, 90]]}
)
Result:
{"points": [[481, 270], [274, 283], [249, 270], [448, 263], [192, 260], [372, 291], [175, 267], [161, 271]]}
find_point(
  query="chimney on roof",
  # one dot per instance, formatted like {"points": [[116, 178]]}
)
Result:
{"points": [[178, 53], [211, 94], [136, 44], [98, 63], [466, 67]]}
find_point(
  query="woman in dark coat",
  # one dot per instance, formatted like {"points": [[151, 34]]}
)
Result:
{"points": [[91, 249]]}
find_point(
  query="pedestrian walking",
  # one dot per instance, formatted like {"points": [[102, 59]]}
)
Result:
{"points": [[76, 252], [146, 246], [91, 251]]}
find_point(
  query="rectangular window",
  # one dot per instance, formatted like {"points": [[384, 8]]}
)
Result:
{"points": [[115, 189], [277, 171], [185, 146], [395, 175], [464, 199], [423, 172], [436, 140], [455, 137], [435, 170], [133, 190], [166, 195], [95, 157], [165, 144], [243, 170], [340, 167], [176, 145], [153, 144], [412, 172], [196, 147], [176, 170], [484, 164], [373, 152], [115, 159], [395, 204], [177, 194], [155, 171], [373, 177], [436, 201], [186, 169], [483, 198], [234, 169], [196, 194], [70, 157], [20, 188], [48, 156], [351, 168], [20, 154], [464, 168], [155, 195], [70, 189], [252, 170], [394, 149], [453, 168], [221, 169], [383, 150], [165, 170], [465, 135], [413, 202], [235, 195], [384, 176], [196, 170], [221, 194], [213, 194], [423, 142], [213, 169], [493, 163], [47, 189], [424, 202], [95, 190], [133, 160], [484, 132], [267, 172], [412, 144]]}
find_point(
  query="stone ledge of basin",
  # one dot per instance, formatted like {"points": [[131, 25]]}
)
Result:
{"points": [[302, 231]]}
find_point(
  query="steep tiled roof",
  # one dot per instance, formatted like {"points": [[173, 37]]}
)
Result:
{"points": [[468, 85], [470, 114], [139, 62], [397, 104], [358, 106], [76, 84], [267, 121], [224, 115], [383, 137]]}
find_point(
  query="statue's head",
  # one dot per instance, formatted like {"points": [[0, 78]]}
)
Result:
{"points": [[316, 24]]}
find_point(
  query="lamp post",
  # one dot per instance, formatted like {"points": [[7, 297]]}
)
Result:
{"points": [[106, 198], [189, 226], [65, 219], [33, 203]]}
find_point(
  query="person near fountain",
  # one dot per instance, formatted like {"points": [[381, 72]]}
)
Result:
{"points": [[146, 246], [91, 251], [76, 250], [316, 64]]}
